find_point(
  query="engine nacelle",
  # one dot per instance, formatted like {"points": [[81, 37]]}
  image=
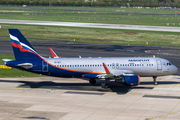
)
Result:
{"points": [[132, 80], [90, 75]]}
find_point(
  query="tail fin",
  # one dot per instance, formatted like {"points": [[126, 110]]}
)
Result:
{"points": [[21, 47]]}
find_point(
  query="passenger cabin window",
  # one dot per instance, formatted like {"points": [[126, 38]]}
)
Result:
{"points": [[113, 65]]}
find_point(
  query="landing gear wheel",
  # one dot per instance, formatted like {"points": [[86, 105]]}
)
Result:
{"points": [[104, 85], [92, 81], [155, 82]]}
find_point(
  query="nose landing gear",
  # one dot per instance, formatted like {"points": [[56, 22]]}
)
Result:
{"points": [[155, 82]]}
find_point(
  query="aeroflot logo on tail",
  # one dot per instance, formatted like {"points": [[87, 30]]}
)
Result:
{"points": [[138, 60]]}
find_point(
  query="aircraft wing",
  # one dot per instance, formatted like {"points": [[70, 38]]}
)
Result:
{"points": [[109, 74], [114, 73]]}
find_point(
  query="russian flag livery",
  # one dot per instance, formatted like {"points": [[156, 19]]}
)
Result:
{"points": [[124, 70], [22, 48]]}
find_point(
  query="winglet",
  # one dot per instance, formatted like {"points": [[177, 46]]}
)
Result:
{"points": [[106, 69], [53, 53]]}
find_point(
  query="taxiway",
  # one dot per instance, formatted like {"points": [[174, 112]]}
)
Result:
{"points": [[50, 98]]}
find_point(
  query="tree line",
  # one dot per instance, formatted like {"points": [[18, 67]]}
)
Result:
{"points": [[103, 3]]}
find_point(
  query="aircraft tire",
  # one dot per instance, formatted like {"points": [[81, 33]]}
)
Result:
{"points": [[155, 83], [92, 81], [104, 85]]}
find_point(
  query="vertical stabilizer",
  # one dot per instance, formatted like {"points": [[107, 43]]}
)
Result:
{"points": [[21, 47]]}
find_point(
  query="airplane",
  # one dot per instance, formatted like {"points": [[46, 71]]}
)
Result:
{"points": [[124, 70]]}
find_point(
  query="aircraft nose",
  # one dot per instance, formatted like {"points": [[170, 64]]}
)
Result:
{"points": [[175, 69]]}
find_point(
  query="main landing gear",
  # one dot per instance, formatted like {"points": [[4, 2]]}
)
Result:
{"points": [[155, 82], [92, 81], [104, 84]]}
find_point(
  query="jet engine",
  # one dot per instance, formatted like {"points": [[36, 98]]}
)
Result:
{"points": [[90, 75], [132, 80]]}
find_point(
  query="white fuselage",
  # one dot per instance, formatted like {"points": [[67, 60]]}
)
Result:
{"points": [[143, 66]]}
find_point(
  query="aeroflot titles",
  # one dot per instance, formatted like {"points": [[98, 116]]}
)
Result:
{"points": [[140, 60], [131, 60]]}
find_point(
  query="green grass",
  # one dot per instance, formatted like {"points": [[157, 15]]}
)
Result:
{"points": [[13, 72], [93, 9], [152, 20], [95, 35], [110, 18]]}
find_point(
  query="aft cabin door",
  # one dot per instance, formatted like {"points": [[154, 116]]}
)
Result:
{"points": [[44, 66], [159, 65]]}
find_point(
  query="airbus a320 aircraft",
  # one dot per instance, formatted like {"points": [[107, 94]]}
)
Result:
{"points": [[125, 70]]}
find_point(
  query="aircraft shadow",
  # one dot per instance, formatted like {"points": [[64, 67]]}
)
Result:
{"points": [[159, 83], [113, 87]]}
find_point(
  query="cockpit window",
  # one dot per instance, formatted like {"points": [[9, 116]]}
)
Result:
{"points": [[168, 64]]}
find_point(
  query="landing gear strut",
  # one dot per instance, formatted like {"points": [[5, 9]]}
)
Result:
{"points": [[92, 81], [155, 82], [104, 84]]}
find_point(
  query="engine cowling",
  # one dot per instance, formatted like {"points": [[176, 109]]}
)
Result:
{"points": [[132, 80], [90, 75]]}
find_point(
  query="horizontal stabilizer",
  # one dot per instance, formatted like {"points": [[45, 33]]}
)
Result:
{"points": [[6, 60], [25, 65]]}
